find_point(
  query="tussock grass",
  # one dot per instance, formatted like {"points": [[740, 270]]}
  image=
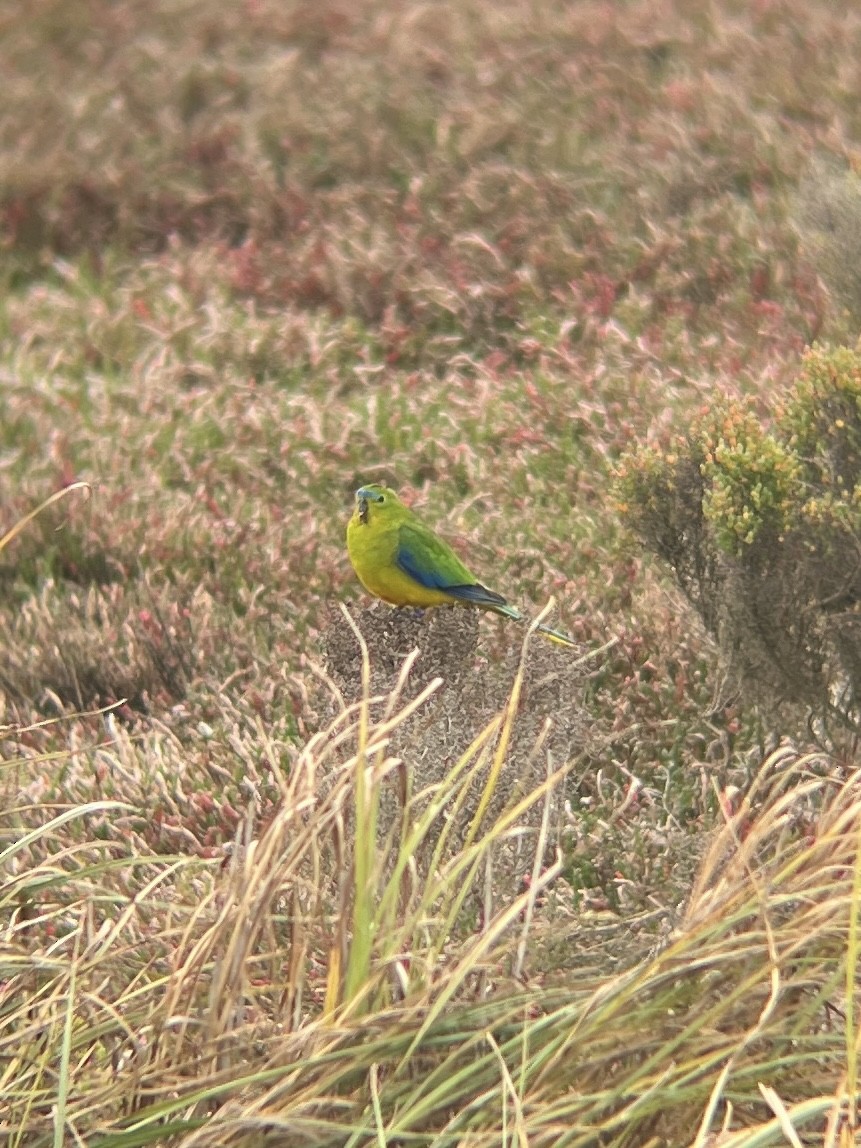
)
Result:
{"points": [[304, 922], [471, 688], [308, 986]]}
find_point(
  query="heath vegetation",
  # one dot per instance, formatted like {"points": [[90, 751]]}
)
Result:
{"points": [[279, 866]]}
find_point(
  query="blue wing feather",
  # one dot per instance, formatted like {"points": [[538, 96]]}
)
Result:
{"points": [[425, 560], [476, 593], [412, 559], [408, 560]]}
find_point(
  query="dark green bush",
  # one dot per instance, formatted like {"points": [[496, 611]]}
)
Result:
{"points": [[761, 525]]}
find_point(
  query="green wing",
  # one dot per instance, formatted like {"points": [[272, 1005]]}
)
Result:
{"points": [[433, 564]]}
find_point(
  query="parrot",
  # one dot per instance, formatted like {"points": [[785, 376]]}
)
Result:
{"points": [[398, 558]]}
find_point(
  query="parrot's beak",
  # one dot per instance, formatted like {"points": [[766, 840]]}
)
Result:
{"points": [[363, 498]]}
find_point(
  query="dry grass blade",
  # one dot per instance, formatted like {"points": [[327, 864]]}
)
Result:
{"points": [[57, 496], [230, 970]]}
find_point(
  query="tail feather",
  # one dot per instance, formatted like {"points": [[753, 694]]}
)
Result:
{"points": [[507, 611], [481, 596], [546, 631]]}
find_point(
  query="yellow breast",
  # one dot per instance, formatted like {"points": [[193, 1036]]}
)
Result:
{"points": [[373, 553]]}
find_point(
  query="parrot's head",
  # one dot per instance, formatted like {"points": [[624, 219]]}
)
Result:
{"points": [[374, 499]]}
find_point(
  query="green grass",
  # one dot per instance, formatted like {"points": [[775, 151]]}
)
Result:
{"points": [[251, 256]]}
